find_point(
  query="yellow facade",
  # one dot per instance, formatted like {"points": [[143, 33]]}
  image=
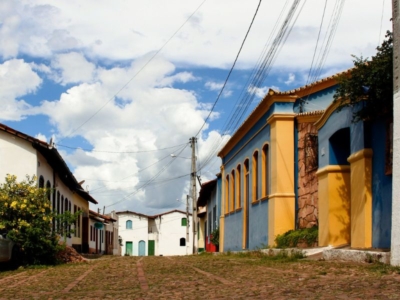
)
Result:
{"points": [[361, 198], [281, 203], [334, 205]]}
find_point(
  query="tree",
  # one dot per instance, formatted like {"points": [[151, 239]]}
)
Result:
{"points": [[369, 87], [26, 217]]}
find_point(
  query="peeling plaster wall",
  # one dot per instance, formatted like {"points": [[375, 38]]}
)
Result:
{"points": [[307, 214]]}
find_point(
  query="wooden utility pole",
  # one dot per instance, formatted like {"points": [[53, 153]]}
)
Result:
{"points": [[193, 141], [395, 240], [187, 223]]}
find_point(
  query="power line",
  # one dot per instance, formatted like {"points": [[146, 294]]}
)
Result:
{"points": [[137, 73], [148, 182], [230, 71], [120, 152]]}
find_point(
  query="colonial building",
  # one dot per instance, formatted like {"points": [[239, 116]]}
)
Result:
{"points": [[298, 161], [163, 234], [23, 155]]}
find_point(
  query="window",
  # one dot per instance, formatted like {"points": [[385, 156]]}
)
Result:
{"points": [[265, 170], [183, 221], [58, 202], [129, 224], [255, 176], [246, 181], [62, 204], [227, 194], [91, 232], [238, 187], [41, 182], [182, 242], [66, 204], [48, 190], [232, 191]]}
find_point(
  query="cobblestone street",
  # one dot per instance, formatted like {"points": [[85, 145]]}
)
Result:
{"points": [[203, 277]]}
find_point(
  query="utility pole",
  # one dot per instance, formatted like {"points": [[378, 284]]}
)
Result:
{"points": [[187, 223], [395, 239], [193, 141]]}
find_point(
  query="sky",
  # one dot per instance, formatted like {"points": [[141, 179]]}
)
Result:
{"points": [[121, 86]]}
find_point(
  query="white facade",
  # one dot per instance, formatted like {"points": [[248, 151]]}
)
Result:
{"points": [[133, 229], [21, 155], [163, 234], [171, 233]]}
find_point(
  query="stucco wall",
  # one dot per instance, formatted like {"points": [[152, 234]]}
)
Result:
{"points": [[381, 189], [139, 232], [170, 231], [18, 157]]}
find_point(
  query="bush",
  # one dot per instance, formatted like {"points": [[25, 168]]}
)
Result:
{"points": [[26, 217], [292, 237]]}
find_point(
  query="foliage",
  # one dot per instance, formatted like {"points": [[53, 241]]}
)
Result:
{"points": [[292, 237], [26, 217], [369, 88], [65, 221], [215, 236]]}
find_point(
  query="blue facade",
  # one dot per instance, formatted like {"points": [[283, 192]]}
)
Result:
{"points": [[381, 188], [338, 139]]}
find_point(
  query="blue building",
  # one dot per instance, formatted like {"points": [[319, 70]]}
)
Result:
{"points": [[297, 162]]}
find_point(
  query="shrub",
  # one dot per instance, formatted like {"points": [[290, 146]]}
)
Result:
{"points": [[292, 237], [26, 217]]}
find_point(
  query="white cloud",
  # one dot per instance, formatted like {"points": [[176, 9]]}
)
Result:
{"points": [[43, 28], [291, 79], [153, 115], [41, 137], [17, 79], [217, 86], [73, 67]]}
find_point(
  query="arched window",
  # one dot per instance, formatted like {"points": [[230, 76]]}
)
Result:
{"points": [[41, 182], [182, 242], [58, 202], [66, 204], [232, 206], [238, 186], [129, 224], [48, 190], [62, 204], [264, 184], [246, 180], [69, 206], [183, 221], [227, 188], [255, 176]]}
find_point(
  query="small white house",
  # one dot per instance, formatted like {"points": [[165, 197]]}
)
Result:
{"points": [[169, 233], [133, 231]]}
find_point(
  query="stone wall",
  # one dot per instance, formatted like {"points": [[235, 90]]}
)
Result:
{"points": [[307, 214]]}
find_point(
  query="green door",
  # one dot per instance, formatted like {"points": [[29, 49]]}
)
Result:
{"points": [[129, 248], [151, 247]]}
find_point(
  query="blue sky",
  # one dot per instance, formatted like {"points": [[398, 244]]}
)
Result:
{"points": [[60, 62]]}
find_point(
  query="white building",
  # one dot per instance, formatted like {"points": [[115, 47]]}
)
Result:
{"points": [[23, 155], [162, 234]]}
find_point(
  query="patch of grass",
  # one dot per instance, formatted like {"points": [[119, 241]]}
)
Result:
{"points": [[292, 237]]}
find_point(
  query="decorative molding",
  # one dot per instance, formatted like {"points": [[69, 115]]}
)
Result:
{"points": [[333, 169], [364, 153]]}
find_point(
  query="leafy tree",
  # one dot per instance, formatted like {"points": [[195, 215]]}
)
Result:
{"points": [[26, 217], [369, 87]]}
